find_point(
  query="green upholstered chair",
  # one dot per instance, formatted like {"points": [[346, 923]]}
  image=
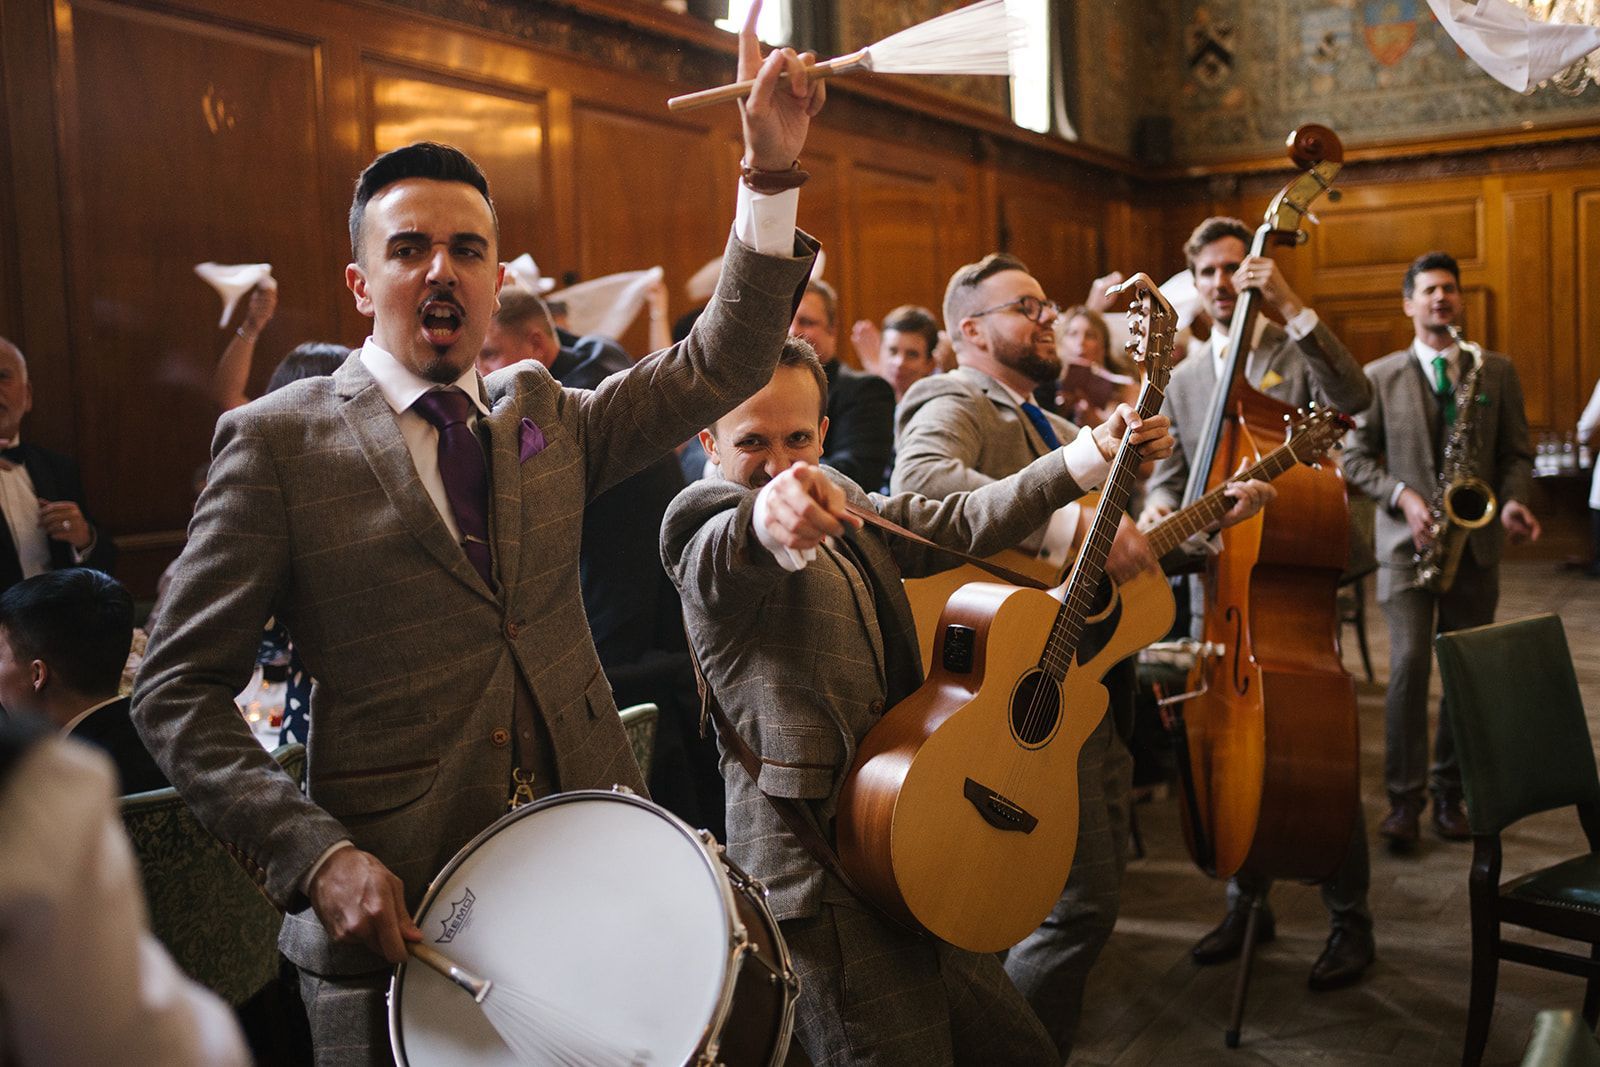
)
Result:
{"points": [[208, 912], [640, 722], [1524, 745], [1561, 1039]]}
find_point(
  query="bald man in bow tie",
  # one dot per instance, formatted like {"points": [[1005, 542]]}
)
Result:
{"points": [[41, 495]]}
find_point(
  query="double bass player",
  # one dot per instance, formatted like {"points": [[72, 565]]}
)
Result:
{"points": [[1295, 364]]}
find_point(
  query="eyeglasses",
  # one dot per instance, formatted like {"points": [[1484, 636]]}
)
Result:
{"points": [[1029, 307]]}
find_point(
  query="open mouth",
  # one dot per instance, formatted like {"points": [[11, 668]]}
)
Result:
{"points": [[441, 322]]}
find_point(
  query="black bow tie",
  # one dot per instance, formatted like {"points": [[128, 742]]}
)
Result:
{"points": [[14, 454]]}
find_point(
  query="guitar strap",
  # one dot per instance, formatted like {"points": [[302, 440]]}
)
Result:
{"points": [[795, 815], [1005, 574]]}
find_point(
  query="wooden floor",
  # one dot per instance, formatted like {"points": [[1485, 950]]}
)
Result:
{"points": [[1149, 1004]]}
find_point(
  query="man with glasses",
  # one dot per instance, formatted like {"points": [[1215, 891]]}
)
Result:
{"points": [[973, 426]]}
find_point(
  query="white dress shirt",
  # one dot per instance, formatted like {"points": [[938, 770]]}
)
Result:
{"points": [[1298, 327], [20, 502]]}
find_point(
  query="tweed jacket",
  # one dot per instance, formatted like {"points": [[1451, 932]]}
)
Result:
{"points": [[805, 662], [1397, 439], [314, 513], [1317, 367], [952, 428]]}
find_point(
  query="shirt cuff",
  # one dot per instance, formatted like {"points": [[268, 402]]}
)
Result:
{"points": [[79, 555], [311, 875], [1394, 495], [766, 221], [1084, 462], [788, 558], [1302, 324]]}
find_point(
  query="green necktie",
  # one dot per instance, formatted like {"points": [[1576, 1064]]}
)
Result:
{"points": [[1441, 387]]}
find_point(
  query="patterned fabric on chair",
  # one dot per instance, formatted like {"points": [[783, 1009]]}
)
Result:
{"points": [[203, 906], [640, 722]]}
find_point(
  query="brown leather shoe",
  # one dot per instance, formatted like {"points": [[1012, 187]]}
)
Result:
{"points": [[1400, 826], [1350, 951], [1450, 819]]}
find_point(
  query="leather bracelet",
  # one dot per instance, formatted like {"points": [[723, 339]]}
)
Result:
{"points": [[772, 181]]}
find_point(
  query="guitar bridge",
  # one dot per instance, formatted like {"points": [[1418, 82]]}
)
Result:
{"points": [[996, 810]]}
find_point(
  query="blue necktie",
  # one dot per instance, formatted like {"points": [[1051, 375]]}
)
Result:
{"points": [[1042, 424]]}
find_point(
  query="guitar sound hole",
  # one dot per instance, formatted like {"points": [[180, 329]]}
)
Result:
{"points": [[1035, 708]]}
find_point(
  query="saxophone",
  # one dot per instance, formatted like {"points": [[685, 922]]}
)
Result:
{"points": [[1463, 502]]}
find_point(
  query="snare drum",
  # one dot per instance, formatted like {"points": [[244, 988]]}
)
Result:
{"points": [[612, 917]]}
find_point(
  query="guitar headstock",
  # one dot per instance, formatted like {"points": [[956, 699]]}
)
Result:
{"points": [[1316, 431], [1152, 327], [1318, 151]]}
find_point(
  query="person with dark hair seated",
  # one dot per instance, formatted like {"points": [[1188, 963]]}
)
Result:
{"points": [[64, 636]]}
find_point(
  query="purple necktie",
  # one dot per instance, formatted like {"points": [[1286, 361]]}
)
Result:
{"points": [[462, 468]]}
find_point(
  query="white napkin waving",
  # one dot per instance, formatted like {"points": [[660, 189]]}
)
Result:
{"points": [[523, 273], [232, 281], [607, 306], [1518, 50]]}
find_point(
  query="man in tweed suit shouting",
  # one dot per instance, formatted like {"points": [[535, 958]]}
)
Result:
{"points": [[417, 528], [805, 636]]}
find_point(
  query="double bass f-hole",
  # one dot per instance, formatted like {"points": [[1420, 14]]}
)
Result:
{"points": [[1241, 681]]}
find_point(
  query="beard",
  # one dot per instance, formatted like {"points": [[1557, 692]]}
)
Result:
{"points": [[1038, 362]]}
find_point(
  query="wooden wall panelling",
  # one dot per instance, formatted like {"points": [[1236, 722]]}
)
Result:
{"points": [[39, 322], [646, 196], [503, 129], [182, 141], [1055, 230], [1525, 329], [1585, 246]]}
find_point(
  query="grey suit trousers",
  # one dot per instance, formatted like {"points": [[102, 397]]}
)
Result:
{"points": [[349, 1018], [1344, 893], [875, 995], [1051, 965], [1415, 616]]}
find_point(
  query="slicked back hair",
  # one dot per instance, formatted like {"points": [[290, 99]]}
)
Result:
{"points": [[910, 318], [424, 159], [1215, 229], [797, 352], [78, 621], [961, 294], [1428, 261]]}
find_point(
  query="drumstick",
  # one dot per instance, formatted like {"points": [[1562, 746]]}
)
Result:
{"points": [[535, 1031]]}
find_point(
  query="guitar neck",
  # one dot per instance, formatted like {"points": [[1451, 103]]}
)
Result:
{"points": [[1209, 509], [1083, 584]]}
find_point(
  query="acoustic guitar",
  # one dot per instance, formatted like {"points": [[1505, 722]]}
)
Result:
{"points": [[960, 815], [1308, 439]]}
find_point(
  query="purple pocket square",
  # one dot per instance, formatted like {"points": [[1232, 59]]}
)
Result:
{"points": [[532, 441]]}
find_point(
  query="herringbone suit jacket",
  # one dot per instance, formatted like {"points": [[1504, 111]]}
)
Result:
{"points": [[953, 427], [1317, 367], [314, 513], [805, 662], [1398, 438]]}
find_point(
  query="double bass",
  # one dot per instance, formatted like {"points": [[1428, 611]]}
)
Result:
{"points": [[1270, 724]]}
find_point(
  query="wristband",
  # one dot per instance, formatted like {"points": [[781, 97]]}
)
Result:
{"points": [[772, 181]]}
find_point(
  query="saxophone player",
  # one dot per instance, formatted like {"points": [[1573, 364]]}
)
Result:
{"points": [[1421, 426]]}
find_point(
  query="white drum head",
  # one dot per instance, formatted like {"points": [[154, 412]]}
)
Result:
{"points": [[592, 913]]}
